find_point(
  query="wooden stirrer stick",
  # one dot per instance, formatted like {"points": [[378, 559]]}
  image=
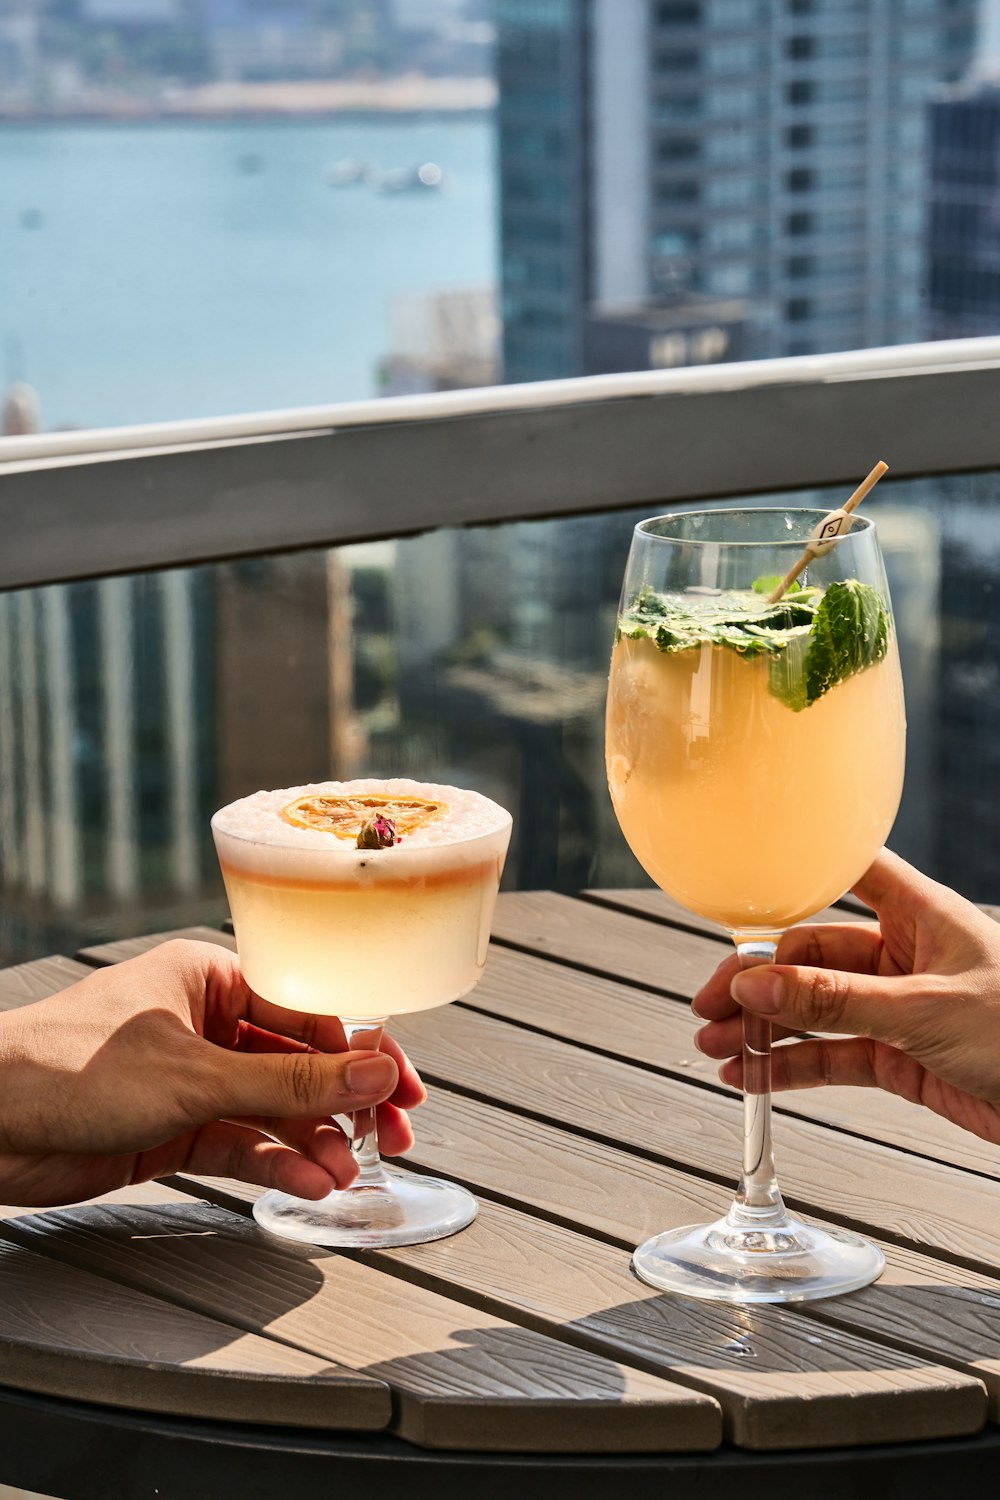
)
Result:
{"points": [[829, 529]]}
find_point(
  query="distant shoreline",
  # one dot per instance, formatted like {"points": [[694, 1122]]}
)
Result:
{"points": [[395, 98], [238, 117]]}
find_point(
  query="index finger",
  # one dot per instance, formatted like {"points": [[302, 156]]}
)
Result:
{"points": [[853, 946], [713, 1001]]}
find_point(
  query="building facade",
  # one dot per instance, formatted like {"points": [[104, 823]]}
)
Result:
{"points": [[767, 150], [964, 220]]}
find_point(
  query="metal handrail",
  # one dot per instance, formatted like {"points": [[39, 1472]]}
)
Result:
{"points": [[98, 502]]}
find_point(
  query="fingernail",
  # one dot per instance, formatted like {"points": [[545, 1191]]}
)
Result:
{"points": [[370, 1075], [758, 991]]}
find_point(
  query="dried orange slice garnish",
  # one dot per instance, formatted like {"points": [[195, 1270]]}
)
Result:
{"points": [[344, 816]]}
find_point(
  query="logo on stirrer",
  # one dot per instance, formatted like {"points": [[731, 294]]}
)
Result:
{"points": [[827, 533]]}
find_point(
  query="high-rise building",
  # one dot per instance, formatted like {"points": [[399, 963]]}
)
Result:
{"points": [[105, 736], [963, 233], [764, 150]]}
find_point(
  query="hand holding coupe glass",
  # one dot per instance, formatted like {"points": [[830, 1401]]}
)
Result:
{"points": [[358, 900], [736, 719]]}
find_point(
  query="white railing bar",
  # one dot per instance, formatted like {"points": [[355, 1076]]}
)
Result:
{"points": [[812, 369]]}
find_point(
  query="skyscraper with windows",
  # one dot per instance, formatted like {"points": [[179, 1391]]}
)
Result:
{"points": [[765, 150], [963, 239]]}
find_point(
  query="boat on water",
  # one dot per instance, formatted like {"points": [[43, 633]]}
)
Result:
{"points": [[428, 177], [352, 172]]}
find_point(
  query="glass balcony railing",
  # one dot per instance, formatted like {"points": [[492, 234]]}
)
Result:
{"points": [[133, 704]]}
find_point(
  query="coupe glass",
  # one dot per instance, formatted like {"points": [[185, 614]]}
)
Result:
{"points": [[755, 778], [325, 927]]}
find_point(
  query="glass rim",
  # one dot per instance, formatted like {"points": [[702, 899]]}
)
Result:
{"points": [[859, 525], [346, 851]]}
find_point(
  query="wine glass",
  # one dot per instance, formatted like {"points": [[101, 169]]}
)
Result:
{"points": [[755, 757], [359, 899]]}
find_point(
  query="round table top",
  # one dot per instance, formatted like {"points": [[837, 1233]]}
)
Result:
{"points": [[566, 1093]]}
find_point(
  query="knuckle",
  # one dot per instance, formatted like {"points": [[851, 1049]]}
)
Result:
{"points": [[309, 1030], [238, 1162], [824, 1062], [804, 947], [824, 996], [300, 1081], [182, 952]]}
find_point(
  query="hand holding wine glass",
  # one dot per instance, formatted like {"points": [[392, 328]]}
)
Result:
{"points": [[914, 1002], [737, 698]]}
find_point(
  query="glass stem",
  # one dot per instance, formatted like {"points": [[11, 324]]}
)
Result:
{"points": [[365, 1036], [758, 1201]]}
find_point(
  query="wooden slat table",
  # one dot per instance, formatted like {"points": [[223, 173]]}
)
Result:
{"points": [[157, 1341]]}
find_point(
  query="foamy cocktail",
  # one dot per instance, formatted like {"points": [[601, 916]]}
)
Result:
{"points": [[364, 899]]}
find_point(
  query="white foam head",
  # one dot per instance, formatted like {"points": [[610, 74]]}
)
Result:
{"points": [[252, 833]]}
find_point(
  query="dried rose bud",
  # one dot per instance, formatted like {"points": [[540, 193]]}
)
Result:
{"points": [[377, 833]]}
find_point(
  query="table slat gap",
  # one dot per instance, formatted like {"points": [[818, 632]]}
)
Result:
{"points": [[676, 915], [141, 1365], [925, 1348], [542, 1293], [878, 1131], [842, 1313], [239, 1198], [677, 920], [501, 941], [459, 1269], [101, 955], [22, 984], [459, 1382], [791, 1106], [448, 1041], [779, 1107], [698, 1169], [50, 1247], [615, 945], [643, 901]]}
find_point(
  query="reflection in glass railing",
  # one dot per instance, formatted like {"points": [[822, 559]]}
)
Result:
{"points": [[131, 707]]}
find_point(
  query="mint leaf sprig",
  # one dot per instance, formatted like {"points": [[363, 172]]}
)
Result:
{"points": [[814, 638], [850, 633], [745, 622]]}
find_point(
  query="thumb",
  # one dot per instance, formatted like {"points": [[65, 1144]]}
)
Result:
{"points": [[302, 1085], [830, 1000]]}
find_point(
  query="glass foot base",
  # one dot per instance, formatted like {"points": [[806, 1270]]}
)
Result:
{"points": [[403, 1209], [787, 1262]]}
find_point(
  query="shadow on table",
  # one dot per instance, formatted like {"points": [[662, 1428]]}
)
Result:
{"points": [[783, 1379]]}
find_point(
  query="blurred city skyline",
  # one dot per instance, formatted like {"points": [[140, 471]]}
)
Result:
{"points": [[122, 58], [714, 180], [214, 206]]}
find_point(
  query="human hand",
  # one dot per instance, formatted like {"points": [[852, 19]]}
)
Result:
{"points": [[918, 996], [170, 1063]]}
